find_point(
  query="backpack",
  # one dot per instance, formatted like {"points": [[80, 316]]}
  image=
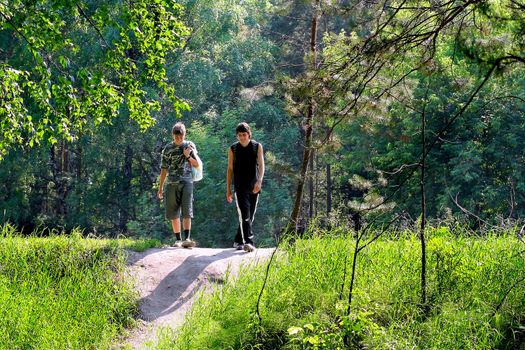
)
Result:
{"points": [[196, 173]]}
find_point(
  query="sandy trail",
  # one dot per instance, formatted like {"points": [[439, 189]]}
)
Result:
{"points": [[168, 279]]}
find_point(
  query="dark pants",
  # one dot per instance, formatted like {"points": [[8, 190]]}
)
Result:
{"points": [[246, 206]]}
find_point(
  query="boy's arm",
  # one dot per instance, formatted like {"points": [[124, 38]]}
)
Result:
{"points": [[229, 173], [163, 174], [260, 173], [191, 155]]}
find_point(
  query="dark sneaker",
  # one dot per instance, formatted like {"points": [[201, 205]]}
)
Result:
{"points": [[249, 248], [238, 246], [188, 244]]}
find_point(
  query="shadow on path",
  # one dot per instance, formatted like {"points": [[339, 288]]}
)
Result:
{"points": [[174, 290]]}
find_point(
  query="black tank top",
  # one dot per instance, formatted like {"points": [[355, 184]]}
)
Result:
{"points": [[245, 165]]}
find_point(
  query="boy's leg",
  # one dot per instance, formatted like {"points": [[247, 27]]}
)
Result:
{"points": [[243, 209], [254, 199], [238, 237], [175, 225], [238, 242], [187, 212], [186, 224], [172, 206]]}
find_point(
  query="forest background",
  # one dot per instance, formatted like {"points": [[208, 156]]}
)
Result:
{"points": [[351, 100]]}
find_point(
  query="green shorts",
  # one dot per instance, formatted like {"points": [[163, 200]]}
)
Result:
{"points": [[178, 196]]}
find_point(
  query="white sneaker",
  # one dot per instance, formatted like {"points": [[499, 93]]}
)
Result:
{"points": [[178, 243], [188, 243], [238, 246], [249, 247]]}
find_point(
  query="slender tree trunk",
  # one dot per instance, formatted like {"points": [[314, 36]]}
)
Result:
{"points": [[58, 164], [125, 189], [64, 157], [328, 190], [423, 217], [311, 186], [352, 277], [79, 162], [293, 224], [64, 178], [316, 181], [51, 195], [346, 338]]}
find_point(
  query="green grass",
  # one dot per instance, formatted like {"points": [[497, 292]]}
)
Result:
{"points": [[69, 292], [475, 298], [64, 292]]}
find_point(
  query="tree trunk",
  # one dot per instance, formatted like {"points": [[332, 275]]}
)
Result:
{"points": [[423, 216], [64, 157], [293, 225], [125, 189], [311, 186], [79, 162], [328, 190], [59, 163]]}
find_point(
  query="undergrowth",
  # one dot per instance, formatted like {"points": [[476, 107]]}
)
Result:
{"points": [[475, 297], [63, 291]]}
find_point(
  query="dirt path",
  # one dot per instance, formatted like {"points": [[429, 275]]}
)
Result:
{"points": [[168, 279]]}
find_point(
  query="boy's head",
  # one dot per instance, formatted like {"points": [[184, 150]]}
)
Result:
{"points": [[243, 127], [179, 132], [179, 128]]}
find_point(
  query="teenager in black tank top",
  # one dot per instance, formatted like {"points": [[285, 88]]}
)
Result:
{"points": [[246, 167]]}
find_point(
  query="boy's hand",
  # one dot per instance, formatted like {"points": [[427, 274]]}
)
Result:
{"points": [[160, 194], [187, 151], [229, 197], [257, 187]]}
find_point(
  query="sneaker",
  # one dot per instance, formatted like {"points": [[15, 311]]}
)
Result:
{"points": [[178, 243], [238, 246], [188, 243], [249, 247]]}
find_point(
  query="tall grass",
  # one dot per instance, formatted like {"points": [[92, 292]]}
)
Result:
{"points": [[475, 288], [63, 292]]}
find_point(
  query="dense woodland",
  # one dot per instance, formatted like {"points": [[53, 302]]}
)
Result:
{"points": [[366, 110]]}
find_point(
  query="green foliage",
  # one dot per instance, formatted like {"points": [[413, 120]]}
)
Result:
{"points": [[461, 170], [86, 68], [376, 80], [51, 89], [62, 291], [351, 330], [106, 179], [475, 288], [149, 222]]}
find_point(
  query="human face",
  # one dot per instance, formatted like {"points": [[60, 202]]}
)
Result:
{"points": [[243, 138], [178, 138]]}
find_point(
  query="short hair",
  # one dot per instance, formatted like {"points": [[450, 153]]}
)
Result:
{"points": [[243, 127], [178, 128]]}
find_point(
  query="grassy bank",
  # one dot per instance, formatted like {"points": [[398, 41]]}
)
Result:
{"points": [[475, 298], [63, 292]]}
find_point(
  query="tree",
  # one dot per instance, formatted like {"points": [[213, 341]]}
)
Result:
{"points": [[67, 66], [226, 71], [294, 225]]}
